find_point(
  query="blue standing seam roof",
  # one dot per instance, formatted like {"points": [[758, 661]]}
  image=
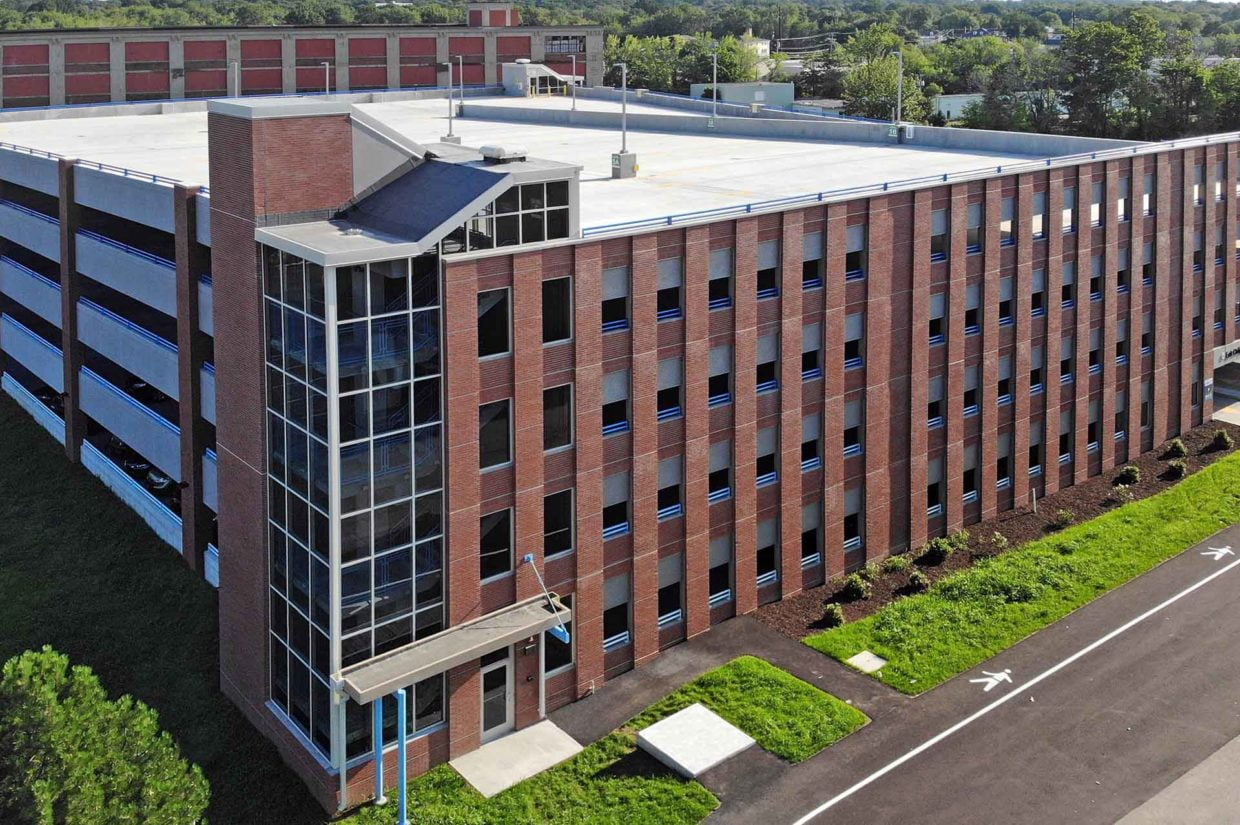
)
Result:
{"points": [[416, 204]]}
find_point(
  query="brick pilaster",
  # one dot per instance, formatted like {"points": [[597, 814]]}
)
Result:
{"points": [[70, 292], [192, 262]]}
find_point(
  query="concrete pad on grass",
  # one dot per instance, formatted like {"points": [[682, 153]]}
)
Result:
{"points": [[693, 740], [867, 662], [498, 765]]}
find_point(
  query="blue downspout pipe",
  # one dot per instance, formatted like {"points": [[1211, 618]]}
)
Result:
{"points": [[402, 817], [378, 711]]}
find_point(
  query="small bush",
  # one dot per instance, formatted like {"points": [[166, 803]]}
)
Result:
{"points": [[1128, 475], [832, 615], [871, 571], [896, 564], [1063, 518], [1123, 494], [938, 550], [1222, 440], [917, 580], [1177, 468], [856, 588], [1176, 449], [999, 542]]}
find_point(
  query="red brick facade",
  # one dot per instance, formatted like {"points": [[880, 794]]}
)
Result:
{"points": [[258, 168]]}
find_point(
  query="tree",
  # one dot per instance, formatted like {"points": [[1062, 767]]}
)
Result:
{"points": [[1223, 87], [874, 43], [1102, 60], [822, 76], [870, 91], [68, 754], [1181, 88]]}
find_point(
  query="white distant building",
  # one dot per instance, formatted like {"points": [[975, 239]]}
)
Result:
{"points": [[763, 92]]}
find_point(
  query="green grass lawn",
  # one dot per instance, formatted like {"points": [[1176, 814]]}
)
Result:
{"points": [[612, 782], [970, 616], [787, 716], [82, 573]]}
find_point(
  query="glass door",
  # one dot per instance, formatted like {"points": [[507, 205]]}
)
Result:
{"points": [[496, 694]]}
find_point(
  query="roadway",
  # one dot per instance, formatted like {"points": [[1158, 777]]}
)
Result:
{"points": [[1105, 712]]}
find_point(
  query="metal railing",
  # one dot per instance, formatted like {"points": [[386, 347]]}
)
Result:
{"points": [[26, 210], [809, 199], [132, 250], [92, 164]]}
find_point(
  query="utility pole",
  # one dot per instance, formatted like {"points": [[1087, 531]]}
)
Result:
{"points": [[327, 77], [574, 89], [624, 162], [900, 89], [714, 84]]}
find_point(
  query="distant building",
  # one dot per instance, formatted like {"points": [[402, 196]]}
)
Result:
{"points": [[75, 66], [766, 93]]}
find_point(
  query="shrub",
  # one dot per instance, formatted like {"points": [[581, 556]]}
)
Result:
{"points": [[999, 542], [871, 571], [856, 587], [896, 564], [1222, 440], [1063, 518], [1176, 449], [1122, 494], [918, 580], [832, 615], [1128, 475], [1177, 468], [66, 748], [938, 550]]}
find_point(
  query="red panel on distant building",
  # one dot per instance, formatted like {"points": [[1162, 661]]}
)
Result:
{"points": [[262, 80], [512, 46], [317, 47], [367, 47], [260, 49], [475, 74], [367, 77], [206, 50], [146, 52], [565, 67], [26, 85], [86, 53], [25, 55], [417, 46], [88, 84], [499, 17], [146, 82], [314, 79], [418, 76], [207, 80], [475, 18], [466, 46], [514, 16]]}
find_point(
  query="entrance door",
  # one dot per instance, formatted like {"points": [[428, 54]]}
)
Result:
{"points": [[496, 694]]}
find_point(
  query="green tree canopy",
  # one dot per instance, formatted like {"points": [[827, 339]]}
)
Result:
{"points": [[68, 754]]}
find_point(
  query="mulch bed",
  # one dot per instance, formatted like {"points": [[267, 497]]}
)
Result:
{"points": [[801, 614]]}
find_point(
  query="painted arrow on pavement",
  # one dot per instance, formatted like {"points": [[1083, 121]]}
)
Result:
{"points": [[1217, 553], [993, 679]]}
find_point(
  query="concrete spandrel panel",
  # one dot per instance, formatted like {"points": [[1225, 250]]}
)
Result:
{"points": [[693, 740]]}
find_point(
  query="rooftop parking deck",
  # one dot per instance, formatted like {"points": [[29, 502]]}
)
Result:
{"points": [[684, 165]]}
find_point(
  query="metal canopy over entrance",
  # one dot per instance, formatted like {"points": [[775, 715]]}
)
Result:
{"points": [[406, 665]]}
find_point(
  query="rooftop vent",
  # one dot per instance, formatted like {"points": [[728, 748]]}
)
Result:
{"points": [[353, 231], [522, 61], [502, 154]]}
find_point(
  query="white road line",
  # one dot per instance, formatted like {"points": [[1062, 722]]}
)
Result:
{"points": [[1016, 691]]}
